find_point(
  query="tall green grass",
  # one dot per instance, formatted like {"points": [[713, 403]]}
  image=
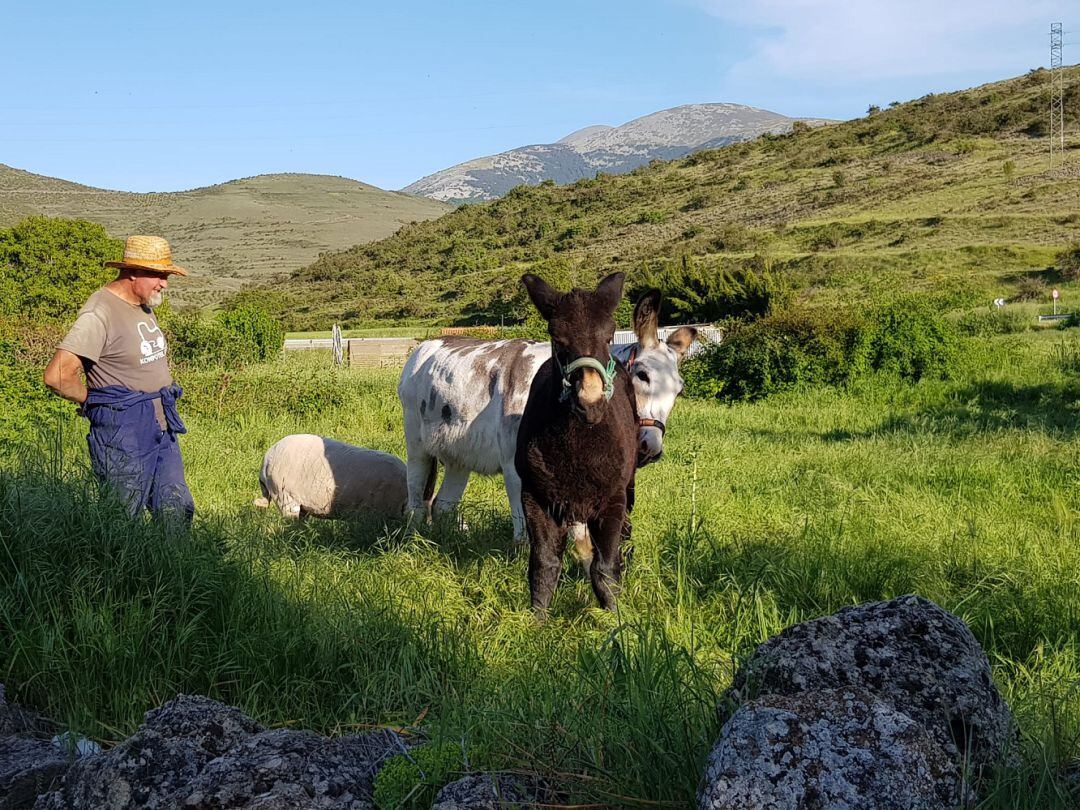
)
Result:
{"points": [[759, 515]]}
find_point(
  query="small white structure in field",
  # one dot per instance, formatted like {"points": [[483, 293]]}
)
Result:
{"points": [[305, 474]]}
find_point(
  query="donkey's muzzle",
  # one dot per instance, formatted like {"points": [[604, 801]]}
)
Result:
{"points": [[590, 414]]}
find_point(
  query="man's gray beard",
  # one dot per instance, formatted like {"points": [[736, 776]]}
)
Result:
{"points": [[155, 299]]}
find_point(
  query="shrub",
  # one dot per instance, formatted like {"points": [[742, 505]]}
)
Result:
{"points": [[700, 380], [910, 339], [805, 347], [1068, 262], [195, 340], [1071, 322], [241, 335], [699, 293], [220, 392], [25, 402], [257, 335], [1030, 288], [696, 203], [787, 350]]}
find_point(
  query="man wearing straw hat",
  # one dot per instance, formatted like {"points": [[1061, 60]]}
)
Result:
{"points": [[128, 395]]}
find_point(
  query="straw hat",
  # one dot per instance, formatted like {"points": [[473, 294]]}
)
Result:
{"points": [[148, 253]]}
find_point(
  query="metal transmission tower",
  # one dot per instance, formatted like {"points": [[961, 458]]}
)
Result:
{"points": [[1057, 97]]}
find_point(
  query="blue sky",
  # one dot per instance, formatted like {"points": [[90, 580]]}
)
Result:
{"points": [[161, 97]]}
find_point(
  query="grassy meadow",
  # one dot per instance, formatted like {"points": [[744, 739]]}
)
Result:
{"points": [[759, 515]]}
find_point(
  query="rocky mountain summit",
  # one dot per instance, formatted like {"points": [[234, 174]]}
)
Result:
{"points": [[664, 135]]}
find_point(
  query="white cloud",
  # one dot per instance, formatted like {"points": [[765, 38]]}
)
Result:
{"points": [[851, 41]]}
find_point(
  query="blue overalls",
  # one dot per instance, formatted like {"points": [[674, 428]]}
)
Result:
{"points": [[130, 452]]}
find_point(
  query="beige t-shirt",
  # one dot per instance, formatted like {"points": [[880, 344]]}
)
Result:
{"points": [[120, 344]]}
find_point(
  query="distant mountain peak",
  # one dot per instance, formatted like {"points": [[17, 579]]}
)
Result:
{"points": [[666, 134]]}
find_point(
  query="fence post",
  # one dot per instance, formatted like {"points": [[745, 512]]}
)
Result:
{"points": [[337, 345]]}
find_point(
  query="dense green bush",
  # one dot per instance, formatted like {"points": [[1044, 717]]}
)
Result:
{"points": [[243, 334], [196, 340], [802, 347], [25, 348], [908, 338], [700, 379], [785, 350], [49, 267], [257, 335]]}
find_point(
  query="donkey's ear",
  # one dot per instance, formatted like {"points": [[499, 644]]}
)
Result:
{"points": [[609, 291], [647, 319], [543, 295], [680, 340]]}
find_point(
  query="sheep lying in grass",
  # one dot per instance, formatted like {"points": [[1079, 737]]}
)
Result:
{"points": [[312, 475]]}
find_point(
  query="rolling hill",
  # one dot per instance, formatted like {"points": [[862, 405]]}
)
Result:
{"points": [[948, 194], [660, 136], [231, 233]]}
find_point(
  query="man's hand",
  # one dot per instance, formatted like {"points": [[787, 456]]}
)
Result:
{"points": [[63, 375]]}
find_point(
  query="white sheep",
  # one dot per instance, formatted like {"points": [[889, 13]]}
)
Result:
{"points": [[305, 474]]}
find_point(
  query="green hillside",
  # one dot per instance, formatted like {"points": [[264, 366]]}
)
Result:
{"points": [[227, 234], [949, 193]]}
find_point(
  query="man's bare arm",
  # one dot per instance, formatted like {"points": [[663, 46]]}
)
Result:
{"points": [[63, 375]]}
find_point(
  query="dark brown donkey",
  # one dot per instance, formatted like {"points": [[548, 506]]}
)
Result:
{"points": [[577, 443]]}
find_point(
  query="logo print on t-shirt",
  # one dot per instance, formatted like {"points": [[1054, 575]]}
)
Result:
{"points": [[151, 344]]}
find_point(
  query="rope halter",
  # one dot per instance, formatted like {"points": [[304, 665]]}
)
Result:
{"points": [[607, 373]]}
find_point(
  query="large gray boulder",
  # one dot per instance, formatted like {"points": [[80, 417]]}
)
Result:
{"points": [[194, 752], [842, 749], [908, 652], [293, 769], [171, 747]]}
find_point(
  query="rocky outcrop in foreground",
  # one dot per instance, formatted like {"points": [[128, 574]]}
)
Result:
{"points": [[196, 753], [887, 704]]}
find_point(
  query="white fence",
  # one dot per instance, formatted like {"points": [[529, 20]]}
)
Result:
{"points": [[705, 335], [387, 349]]}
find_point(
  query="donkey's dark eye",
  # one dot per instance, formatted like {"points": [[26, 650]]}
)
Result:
{"points": [[641, 375]]}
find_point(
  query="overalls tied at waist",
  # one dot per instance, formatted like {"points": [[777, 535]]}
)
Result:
{"points": [[121, 398]]}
